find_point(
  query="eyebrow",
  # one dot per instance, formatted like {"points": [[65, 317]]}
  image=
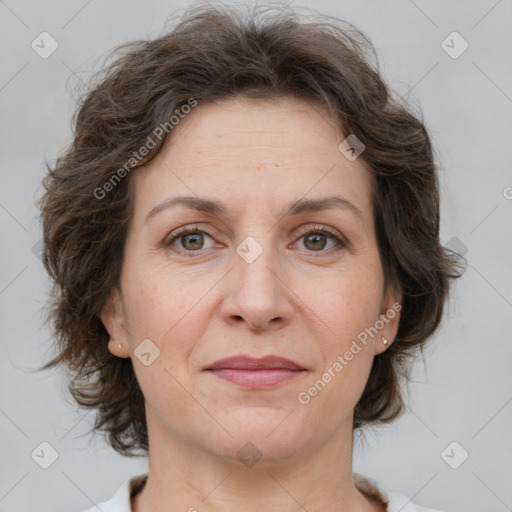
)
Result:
{"points": [[219, 208]]}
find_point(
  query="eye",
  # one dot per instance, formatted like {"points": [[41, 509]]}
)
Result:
{"points": [[189, 239], [316, 239]]}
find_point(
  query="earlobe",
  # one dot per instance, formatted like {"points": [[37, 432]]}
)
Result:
{"points": [[112, 316], [118, 349], [389, 320]]}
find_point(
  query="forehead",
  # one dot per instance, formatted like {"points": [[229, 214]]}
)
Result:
{"points": [[255, 127], [253, 149]]}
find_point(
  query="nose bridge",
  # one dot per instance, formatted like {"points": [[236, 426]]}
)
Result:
{"points": [[256, 263], [257, 293]]}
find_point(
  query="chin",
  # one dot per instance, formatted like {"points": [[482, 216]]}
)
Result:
{"points": [[260, 435]]}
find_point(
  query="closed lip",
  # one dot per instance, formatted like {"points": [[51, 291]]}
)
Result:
{"points": [[253, 363]]}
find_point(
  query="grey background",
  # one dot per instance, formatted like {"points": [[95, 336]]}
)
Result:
{"points": [[461, 391]]}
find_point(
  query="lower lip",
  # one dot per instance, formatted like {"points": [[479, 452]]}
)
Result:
{"points": [[256, 379]]}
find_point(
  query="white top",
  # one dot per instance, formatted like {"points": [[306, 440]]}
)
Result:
{"points": [[396, 502]]}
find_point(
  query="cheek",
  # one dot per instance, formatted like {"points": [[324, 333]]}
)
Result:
{"points": [[339, 383], [158, 301], [348, 307], [169, 314], [346, 304], [173, 312]]}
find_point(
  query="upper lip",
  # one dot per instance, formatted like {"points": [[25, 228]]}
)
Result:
{"points": [[253, 363]]}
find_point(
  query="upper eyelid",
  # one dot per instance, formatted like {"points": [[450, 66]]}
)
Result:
{"points": [[320, 227], [214, 232]]}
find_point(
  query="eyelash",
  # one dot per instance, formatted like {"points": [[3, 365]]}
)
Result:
{"points": [[320, 229]]}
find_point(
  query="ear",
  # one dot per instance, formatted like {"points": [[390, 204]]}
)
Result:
{"points": [[112, 316], [389, 319]]}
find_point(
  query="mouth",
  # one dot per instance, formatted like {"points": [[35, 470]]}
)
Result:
{"points": [[254, 373]]}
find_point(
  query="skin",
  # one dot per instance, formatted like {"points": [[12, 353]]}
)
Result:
{"points": [[198, 301]]}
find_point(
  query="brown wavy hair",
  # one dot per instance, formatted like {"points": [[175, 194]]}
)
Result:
{"points": [[212, 54]]}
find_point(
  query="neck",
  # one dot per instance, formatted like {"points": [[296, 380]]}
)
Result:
{"points": [[184, 477]]}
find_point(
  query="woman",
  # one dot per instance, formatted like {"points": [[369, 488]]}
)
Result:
{"points": [[250, 296]]}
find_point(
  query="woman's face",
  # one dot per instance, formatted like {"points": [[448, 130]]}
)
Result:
{"points": [[266, 270]]}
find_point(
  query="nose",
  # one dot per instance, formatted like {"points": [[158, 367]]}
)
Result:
{"points": [[257, 295]]}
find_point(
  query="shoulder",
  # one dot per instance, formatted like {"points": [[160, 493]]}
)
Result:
{"points": [[395, 501], [120, 501]]}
